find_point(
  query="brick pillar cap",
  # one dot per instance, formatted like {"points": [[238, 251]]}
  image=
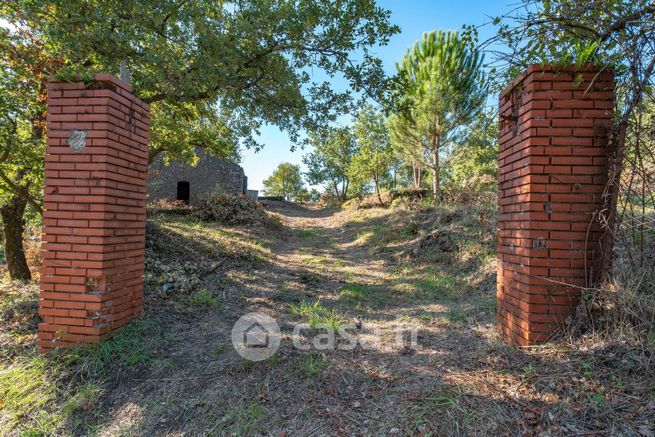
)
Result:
{"points": [[552, 68], [110, 78], [98, 78]]}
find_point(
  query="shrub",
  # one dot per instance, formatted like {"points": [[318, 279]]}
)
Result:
{"points": [[621, 310], [409, 193], [204, 298], [230, 209], [329, 200], [470, 190], [32, 245], [169, 204]]}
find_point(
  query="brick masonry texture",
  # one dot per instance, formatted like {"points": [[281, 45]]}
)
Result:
{"points": [[211, 173], [554, 130], [95, 211]]}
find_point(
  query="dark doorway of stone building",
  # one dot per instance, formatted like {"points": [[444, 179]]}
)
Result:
{"points": [[183, 191]]}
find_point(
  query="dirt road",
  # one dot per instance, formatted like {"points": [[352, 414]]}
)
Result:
{"points": [[344, 269]]}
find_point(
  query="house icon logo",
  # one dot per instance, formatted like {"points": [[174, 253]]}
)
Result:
{"points": [[256, 336]]}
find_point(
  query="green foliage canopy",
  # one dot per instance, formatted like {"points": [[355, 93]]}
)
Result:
{"points": [[374, 155], [329, 162], [178, 129], [472, 164], [249, 61], [24, 62], [286, 181]]}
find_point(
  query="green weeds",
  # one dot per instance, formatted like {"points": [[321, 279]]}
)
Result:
{"points": [[242, 420], [204, 299], [316, 315], [360, 294], [36, 395], [311, 365]]}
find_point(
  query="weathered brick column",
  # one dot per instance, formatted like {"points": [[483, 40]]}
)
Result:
{"points": [[95, 211], [554, 126]]}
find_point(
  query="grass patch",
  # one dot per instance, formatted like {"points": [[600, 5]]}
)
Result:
{"points": [[363, 237], [221, 349], [442, 405], [40, 394], [455, 316], [311, 365], [484, 304], [316, 315], [127, 345], [433, 284], [305, 233], [351, 295], [26, 389], [243, 419], [358, 294], [425, 317], [198, 239], [204, 299], [19, 304], [85, 400], [411, 230], [317, 261]]}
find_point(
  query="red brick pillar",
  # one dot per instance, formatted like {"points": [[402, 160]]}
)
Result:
{"points": [[95, 211], [552, 172]]}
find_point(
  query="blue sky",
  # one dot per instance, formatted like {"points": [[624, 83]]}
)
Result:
{"points": [[414, 17]]}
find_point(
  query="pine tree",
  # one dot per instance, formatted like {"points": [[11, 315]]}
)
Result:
{"points": [[440, 87]]}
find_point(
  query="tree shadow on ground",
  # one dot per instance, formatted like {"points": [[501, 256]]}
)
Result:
{"points": [[463, 381], [459, 383]]}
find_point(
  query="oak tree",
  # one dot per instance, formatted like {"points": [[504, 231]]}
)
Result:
{"points": [[374, 156], [286, 181], [329, 162], [213, 71]]}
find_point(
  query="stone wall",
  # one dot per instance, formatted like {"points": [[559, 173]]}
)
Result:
{"points": [[554, 129], [94, 211], [210, 173]]}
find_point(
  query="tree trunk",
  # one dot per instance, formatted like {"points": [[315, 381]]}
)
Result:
{"points": [[377, 190], [344, 192], [435, 168], [607, 239], [13, 226], [12, 211], [336, 189], [417, 175]]}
